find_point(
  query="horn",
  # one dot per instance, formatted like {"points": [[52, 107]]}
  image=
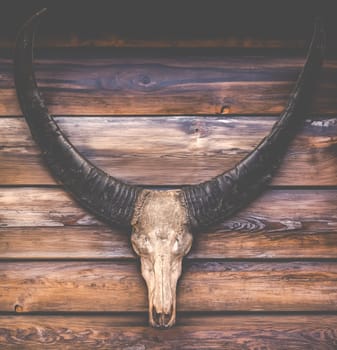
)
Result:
{"points": [[108, 198], [214, 200]]}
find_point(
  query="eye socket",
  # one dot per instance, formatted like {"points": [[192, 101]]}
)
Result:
{"points": [[141, 244], [140, 239], [182, 245]]}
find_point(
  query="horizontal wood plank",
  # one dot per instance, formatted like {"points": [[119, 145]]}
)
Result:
{"points": [[231, 332], [111, 40], [172, 23], [119, 287], [37, 223], [144, 150], [176, 84], [248, 239], [26, 206]]}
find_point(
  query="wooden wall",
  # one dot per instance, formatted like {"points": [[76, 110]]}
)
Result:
{"points": [[189, 90]]}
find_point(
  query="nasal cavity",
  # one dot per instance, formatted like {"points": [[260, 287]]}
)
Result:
{"points": [[160, 319]]}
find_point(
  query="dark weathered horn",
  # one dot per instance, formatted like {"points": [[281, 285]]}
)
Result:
{"points": [[216, 199], [108, 198]]}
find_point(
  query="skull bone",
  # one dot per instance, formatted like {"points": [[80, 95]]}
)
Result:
{"points": [[161, 238]]}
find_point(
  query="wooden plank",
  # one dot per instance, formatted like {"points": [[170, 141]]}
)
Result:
{"points": [[310, 209], [146, 149], [177, 84], [40, 207], [238, 239], [232, 332], [252, 22], [111, 40], [118, 286], [300, 223]]}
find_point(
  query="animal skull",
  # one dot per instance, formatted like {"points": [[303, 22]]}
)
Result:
{"points": [[162, 221], [161, 238]]}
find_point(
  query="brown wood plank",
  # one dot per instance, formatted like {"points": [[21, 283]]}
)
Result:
{"points": [[232, 332], [46, 224], [253, 240], [119, 287], [177, 84], [24, 206], [146, 149]]}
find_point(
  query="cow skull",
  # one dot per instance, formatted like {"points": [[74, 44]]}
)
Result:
{"points": [[161, 238], [162, 221]]}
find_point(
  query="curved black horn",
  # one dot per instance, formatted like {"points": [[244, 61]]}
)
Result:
{"points": [[105, 196], [216, 199]]}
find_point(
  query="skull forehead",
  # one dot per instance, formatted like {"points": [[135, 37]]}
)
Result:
{"points": [[162, 211]]}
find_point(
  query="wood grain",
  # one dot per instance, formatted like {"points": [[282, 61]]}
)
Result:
{"points": [[176, 84], [231, 332], [145, 150], [24, 206], [47, 224], [118, 286], [250, 238]]}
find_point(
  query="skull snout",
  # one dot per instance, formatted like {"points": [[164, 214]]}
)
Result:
{"points": [[163, 296], [162, 319]]}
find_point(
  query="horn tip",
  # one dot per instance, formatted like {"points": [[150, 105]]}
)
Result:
{"points": [[34, 19], [27, 30], [41, 12], [38, 15]]}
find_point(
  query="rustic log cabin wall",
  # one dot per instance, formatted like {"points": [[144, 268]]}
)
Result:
{"points": [[186, 92]]}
